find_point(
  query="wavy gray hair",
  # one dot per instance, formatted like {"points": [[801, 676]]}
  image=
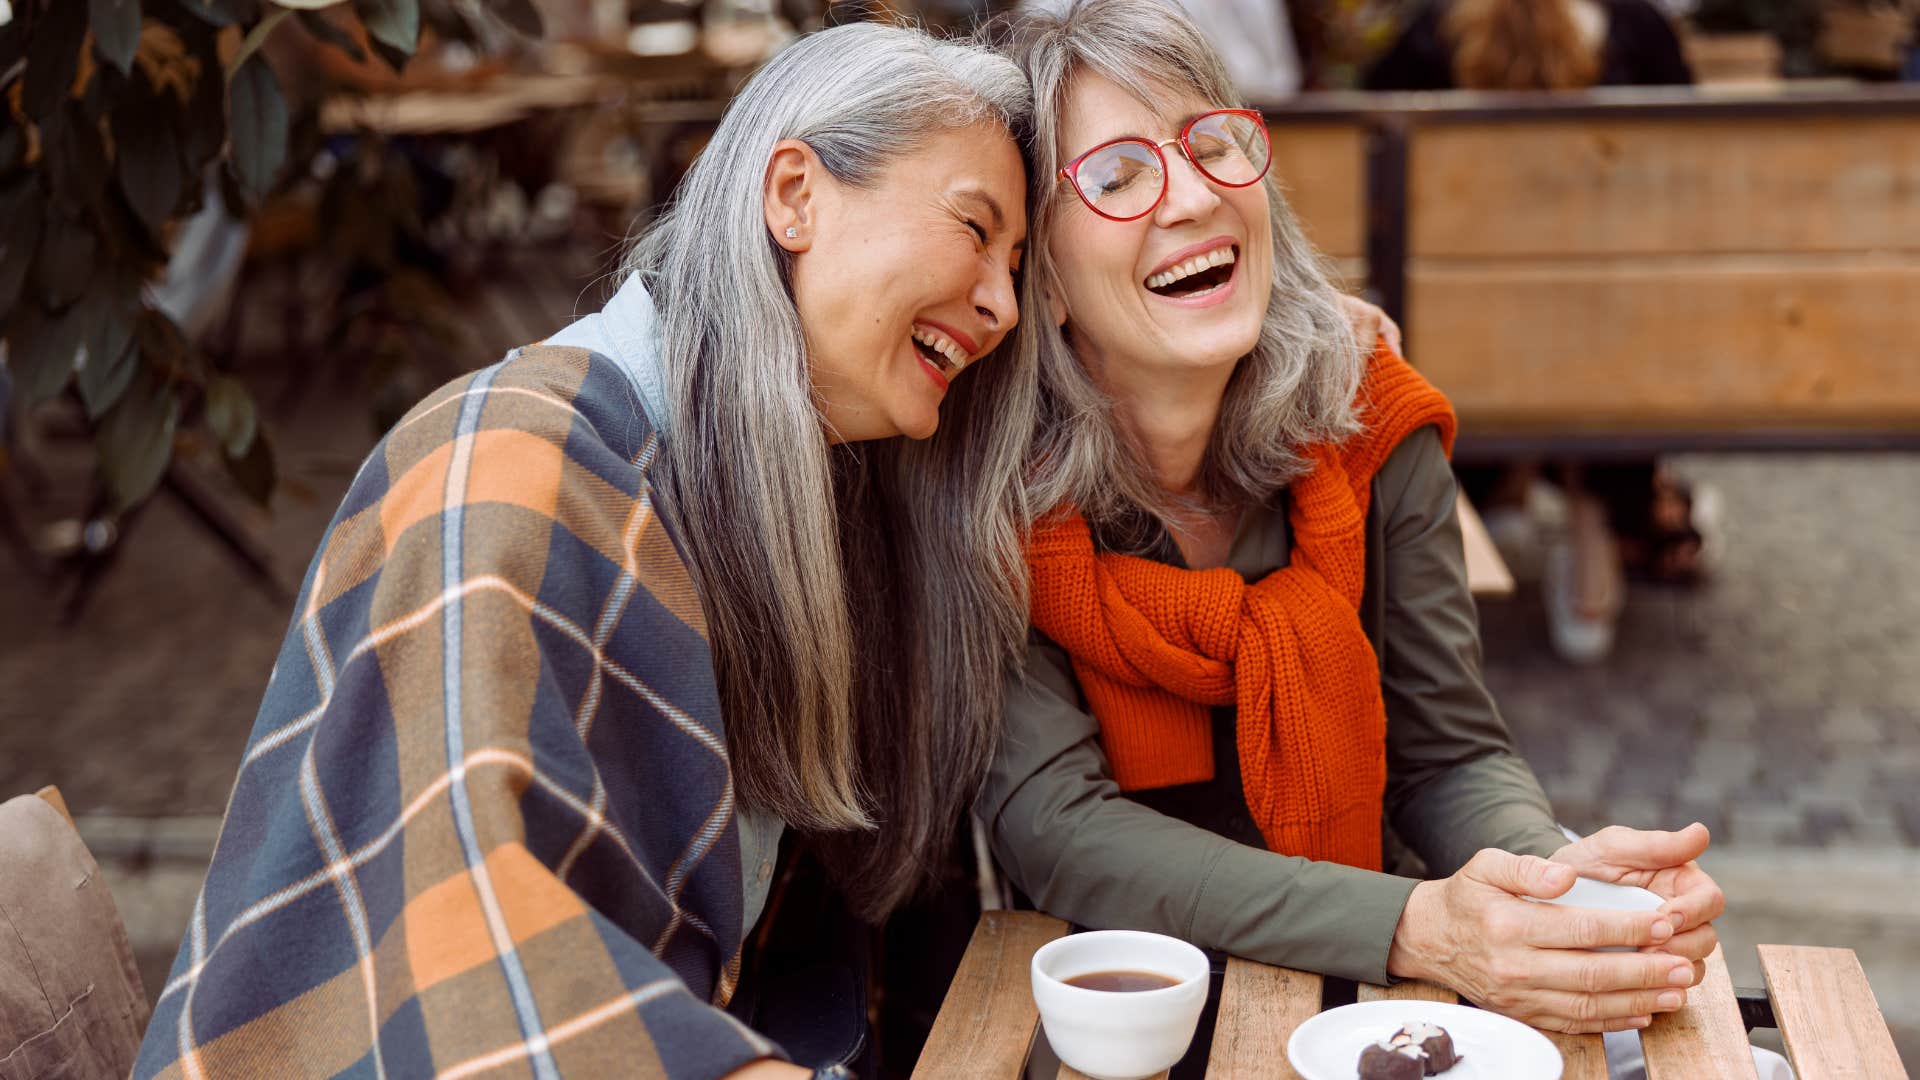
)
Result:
{"points": [[1297, 385], [863, 601]]}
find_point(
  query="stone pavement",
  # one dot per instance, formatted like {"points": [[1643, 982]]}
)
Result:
{"points": [[1780, 703]]}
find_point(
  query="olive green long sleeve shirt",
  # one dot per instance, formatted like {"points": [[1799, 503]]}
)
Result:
{"points": [[1188, 860]]}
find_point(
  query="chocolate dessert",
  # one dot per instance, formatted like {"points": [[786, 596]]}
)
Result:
{"points": [[1417, 1050], [1385, 1061], [1434, 1043]]}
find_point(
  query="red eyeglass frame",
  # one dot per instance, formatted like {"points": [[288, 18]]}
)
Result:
{"points": [[1070, 172]]}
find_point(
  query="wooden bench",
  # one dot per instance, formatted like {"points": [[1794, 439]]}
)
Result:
{"points": [[1825, 1009], [1632, 270]]}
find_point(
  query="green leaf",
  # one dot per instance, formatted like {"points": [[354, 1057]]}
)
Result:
{"points": [[259, 123], [148, 160], [116, 30], [41, 349], [21, 217], [75, 160], [231, 416], [65, 262], [222, 13], [135, 440], [254, 471], [111, 358], [205, 123], [258, 36], [323, 28], [395, 23], [57, 37], [103, 381], [519, 14]]}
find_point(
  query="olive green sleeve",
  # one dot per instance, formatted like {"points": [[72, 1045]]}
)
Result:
{"points": [[1454, 781], [1071, 842]]}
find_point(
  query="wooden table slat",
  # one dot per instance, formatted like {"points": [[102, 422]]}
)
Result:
{"points": [[986, 1024], [1487, 573], [1585, 1056], [1411, 990], [1260, 1005], [1828, 1015], [1705, 1040]]}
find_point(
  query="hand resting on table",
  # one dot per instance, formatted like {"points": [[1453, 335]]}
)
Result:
{"points": [[1473, 933]]}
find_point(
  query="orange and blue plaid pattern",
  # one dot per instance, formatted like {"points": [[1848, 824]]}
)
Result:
{"points": [[484, 823]]}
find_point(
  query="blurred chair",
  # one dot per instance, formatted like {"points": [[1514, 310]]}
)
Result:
{"points": [[71, 1002]]}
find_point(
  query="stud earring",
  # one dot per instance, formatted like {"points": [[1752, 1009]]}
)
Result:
{"points": [[793, 233]]}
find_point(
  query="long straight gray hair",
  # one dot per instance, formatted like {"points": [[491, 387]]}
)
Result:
{"points": [[865, 600], [1297, 385]]}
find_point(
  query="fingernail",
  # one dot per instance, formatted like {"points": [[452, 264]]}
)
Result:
{"points": [[1681, 976], [1642, 1021], [1670, 1000], [1676, 921]]}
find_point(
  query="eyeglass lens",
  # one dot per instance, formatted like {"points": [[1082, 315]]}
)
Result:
{"points": [[1125, 179]]}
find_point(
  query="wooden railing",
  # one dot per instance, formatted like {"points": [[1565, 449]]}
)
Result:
{"points": [[1664, 269]]}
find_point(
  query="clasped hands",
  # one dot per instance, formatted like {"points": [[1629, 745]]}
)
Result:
{"points": [[1473, 933]]}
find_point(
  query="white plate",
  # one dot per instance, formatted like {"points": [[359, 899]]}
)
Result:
{"points": [[1491, 1047]]}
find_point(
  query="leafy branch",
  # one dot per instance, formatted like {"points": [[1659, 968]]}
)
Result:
{"points": [[115, 115]]}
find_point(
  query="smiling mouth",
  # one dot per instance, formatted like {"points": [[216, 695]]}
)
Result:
{"points": [[1197, 276], [946, 355]]}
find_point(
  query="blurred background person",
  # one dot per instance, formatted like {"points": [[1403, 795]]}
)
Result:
{"points": [[1533, 45]]}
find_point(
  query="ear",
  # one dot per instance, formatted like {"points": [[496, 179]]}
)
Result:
{"points": [[1056, 306], [792, 188]]}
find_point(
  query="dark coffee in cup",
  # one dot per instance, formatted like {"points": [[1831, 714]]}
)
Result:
{"points": [[1122, 981]]}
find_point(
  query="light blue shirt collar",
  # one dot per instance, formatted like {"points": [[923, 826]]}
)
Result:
{"points": [[627, 331]]}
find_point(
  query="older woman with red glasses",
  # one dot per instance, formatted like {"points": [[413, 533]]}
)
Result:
{"points": [[1254, 672]]}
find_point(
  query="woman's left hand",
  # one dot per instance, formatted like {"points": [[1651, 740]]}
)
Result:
{"points": [[1662, 863], [1370, 324]]}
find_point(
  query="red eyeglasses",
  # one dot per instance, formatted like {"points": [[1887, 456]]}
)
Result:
{"points": [[1125, 179]]}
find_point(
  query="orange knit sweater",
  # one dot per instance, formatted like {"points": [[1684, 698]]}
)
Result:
{"points": [[1154, 645]]}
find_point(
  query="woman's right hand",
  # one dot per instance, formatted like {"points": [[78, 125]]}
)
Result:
{"points": [[1473, 933]]}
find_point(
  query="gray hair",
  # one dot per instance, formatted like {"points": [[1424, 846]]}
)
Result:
{"points": [[1297, 385], [863, 600]]}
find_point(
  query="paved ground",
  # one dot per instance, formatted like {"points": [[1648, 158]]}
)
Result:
{"points": [[1780, 704]]}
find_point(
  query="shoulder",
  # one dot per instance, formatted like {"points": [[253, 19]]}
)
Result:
{"points": [[547, 450], [1415, 475], [1394, 401]]}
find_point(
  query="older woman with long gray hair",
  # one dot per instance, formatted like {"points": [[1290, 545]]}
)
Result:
{"points": [[1253, 638], [736, 557]]}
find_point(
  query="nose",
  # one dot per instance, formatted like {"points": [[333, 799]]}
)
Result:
{"points": [[994, 299], [1190, 197]]}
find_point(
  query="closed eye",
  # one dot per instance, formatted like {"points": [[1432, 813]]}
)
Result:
{"points": [[977, 230]]}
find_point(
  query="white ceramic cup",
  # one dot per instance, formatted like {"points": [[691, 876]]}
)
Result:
{"points": [[1605, 896], [1119, 1035]]}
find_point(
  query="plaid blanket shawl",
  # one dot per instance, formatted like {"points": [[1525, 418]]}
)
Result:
{"points": [[484, 822]]}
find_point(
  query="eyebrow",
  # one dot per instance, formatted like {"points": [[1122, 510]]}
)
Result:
{"points": [[992, 204], [1179, 124]]}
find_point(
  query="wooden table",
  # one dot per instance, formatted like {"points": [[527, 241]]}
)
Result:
{"points": [[1821, 999]]}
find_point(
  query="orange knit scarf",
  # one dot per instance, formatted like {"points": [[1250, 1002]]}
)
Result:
{"points": [[1154, 646]]}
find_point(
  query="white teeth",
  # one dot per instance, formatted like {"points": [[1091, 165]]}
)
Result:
{"points": [[942, 344], [1216, 257]]}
